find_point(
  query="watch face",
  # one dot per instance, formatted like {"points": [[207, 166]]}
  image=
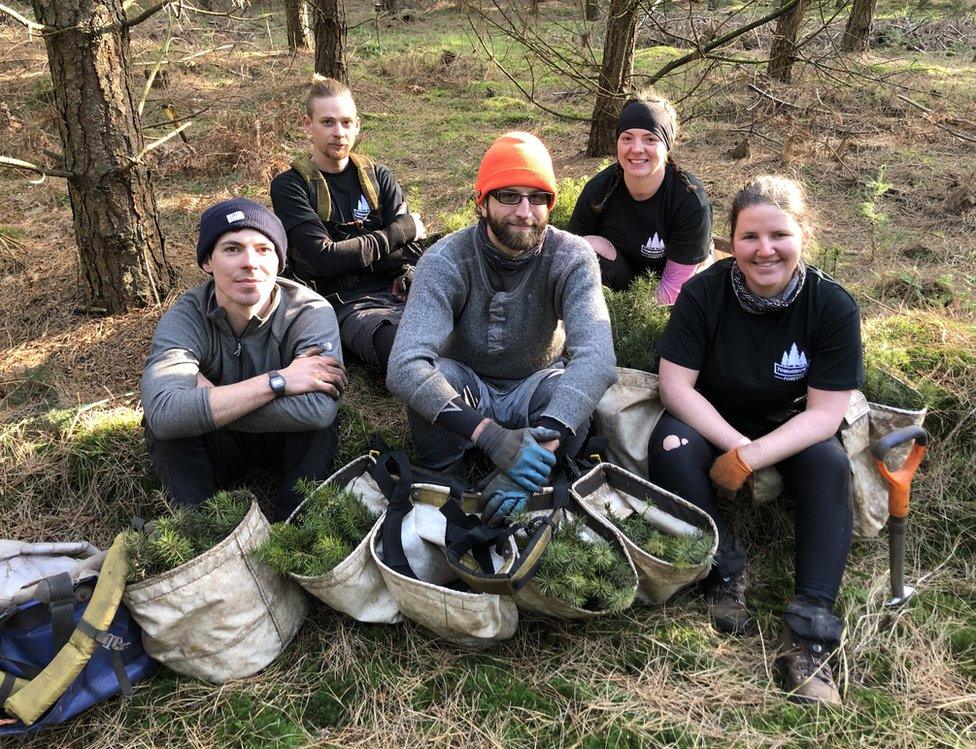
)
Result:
{"points": [[277, 384]]}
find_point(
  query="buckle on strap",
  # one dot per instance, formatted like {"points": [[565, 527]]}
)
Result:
{"points": [[104, 638]]}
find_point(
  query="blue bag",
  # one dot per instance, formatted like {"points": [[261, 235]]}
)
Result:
{"points": [[33, 632]]}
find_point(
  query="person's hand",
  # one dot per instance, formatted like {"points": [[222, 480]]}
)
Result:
{"points": [[421, 229], [310, 373], [401, 284], [518, 453], [505, 499], [729, 472]]}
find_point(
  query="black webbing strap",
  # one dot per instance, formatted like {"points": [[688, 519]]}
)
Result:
{"points": [[115, 645], [6, 687], [58, 593], [461, 525], [397, 493]]}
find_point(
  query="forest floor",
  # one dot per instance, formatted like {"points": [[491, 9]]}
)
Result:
{"points": [[883, 142]]}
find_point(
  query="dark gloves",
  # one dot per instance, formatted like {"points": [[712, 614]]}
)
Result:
{"points": [[518, 453], [505, 498], [401, 284]]}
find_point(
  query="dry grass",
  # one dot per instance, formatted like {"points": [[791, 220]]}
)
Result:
{"points": [[71, 457]]}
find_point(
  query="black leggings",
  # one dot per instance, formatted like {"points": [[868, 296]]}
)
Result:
{"points": [[818, 478]]}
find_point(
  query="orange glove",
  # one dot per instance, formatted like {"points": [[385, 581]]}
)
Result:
{"points": [[729, 472]]}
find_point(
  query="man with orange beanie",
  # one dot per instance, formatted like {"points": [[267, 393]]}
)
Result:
{"points": [[505, 341]]}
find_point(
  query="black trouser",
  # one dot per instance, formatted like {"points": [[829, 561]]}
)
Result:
{"points": [[818, 478], [617, 274], [192, 468]]}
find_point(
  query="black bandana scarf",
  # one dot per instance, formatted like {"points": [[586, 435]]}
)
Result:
{"points": [[759, 305], [497, 260]]}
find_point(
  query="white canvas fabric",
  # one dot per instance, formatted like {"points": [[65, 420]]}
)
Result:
{"points": [[626, 415], [223, 615], [474, 620], [355, 586], [608, 485], [23, 563]]}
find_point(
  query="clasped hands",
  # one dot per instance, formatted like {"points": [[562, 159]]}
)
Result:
{"points": [[523, 464], [729, 472]]}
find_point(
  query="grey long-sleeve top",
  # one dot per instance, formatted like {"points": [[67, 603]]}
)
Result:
{"points": [[454, 312], [195, 336]]}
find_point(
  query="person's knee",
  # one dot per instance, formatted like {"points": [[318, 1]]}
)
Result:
{"points": [[673, 441], [602, 246]]}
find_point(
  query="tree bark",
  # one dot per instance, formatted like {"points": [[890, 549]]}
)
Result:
{"points": [[329, 28], [615, 73], [591, 10], [295, 19], [782, 53], [120, 245], [857, 33]]}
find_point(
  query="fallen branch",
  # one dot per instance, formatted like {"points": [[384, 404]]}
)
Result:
{"points": [[939, 125], [12, 163]]}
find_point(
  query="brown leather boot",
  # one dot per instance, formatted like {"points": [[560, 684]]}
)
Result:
{"points": [[726, 601], [804, 669]]}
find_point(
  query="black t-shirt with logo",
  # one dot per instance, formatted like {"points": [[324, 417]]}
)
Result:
{"points": [[755, 369], [675, 223]]}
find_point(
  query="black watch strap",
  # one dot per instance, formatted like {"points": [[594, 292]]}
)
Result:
{"points": [[277, 383]]}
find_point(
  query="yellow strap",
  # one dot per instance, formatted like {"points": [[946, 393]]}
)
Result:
{"points": [[32, 700], [367, 179], [365, 169]]}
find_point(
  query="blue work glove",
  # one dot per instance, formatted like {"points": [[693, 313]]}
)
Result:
{"points": [[518, 453], [505, 498]]}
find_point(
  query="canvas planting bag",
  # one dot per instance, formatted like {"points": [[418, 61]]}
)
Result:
{"points": [[355, 586], [608, 485], [409, 547], [626, 415], [864, 424], [223, 615]]}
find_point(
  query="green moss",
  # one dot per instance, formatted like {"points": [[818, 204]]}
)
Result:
{"points": [[251, 724]]}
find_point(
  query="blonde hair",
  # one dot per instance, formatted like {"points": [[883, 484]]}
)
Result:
{"points": [[324, 88], [786, 194]]}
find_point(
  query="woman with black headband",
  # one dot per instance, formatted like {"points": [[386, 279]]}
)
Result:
{"points": [[758, 362], [643, 213]]}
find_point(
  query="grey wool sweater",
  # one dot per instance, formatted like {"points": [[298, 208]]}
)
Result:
{"points": [[194, 336], [453, 312]]}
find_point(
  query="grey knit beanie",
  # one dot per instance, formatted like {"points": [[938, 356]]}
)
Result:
{"points": [[236, 214]]}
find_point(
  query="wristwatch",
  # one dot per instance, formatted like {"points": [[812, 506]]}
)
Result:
{"points": [[277, 383]]}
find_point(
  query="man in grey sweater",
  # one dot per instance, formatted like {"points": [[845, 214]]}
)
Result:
{"points": [[245, 370], [505, 342]]}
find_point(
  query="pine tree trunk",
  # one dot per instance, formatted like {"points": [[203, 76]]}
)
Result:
{"points": [[295, 18], [329, 28], [615, 73], [591, 10], [857, 34], [782, 54], [120, 245]]}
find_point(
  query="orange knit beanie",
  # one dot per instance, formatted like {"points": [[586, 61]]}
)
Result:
{"points": [[515, 159]]}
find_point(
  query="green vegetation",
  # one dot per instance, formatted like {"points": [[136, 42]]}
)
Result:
{"points": [[683, 550], [184, 534], [331, 524], [588, 575], [638, 323]]}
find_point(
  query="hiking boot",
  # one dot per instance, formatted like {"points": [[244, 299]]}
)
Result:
{"points": [[804, 669], [726, 601]]}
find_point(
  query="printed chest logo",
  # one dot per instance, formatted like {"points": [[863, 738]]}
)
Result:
{"points": [[653, 247], [361, 211], [793, 365]]}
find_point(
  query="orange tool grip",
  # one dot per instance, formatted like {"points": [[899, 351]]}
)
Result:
{"points": [[900, 481]]}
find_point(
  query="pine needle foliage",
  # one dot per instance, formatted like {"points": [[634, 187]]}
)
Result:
{"points": [[184, 534], [331, 525], [591, 576], [638, 322], [683, 550]]}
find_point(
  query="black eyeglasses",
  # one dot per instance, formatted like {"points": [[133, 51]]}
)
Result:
{"points": [[514, 197]]}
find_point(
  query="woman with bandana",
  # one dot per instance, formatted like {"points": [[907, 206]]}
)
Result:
{"points": [[644, 214], [758, 362]]}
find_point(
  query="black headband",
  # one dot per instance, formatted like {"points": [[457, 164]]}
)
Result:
{"points": [[652, 116]]}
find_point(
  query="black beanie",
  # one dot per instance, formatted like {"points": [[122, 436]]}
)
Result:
{"points": [[652, 116], [236, 214]]}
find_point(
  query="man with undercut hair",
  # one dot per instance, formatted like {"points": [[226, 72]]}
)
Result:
{"points": [[505, 342], [350, 234]]}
